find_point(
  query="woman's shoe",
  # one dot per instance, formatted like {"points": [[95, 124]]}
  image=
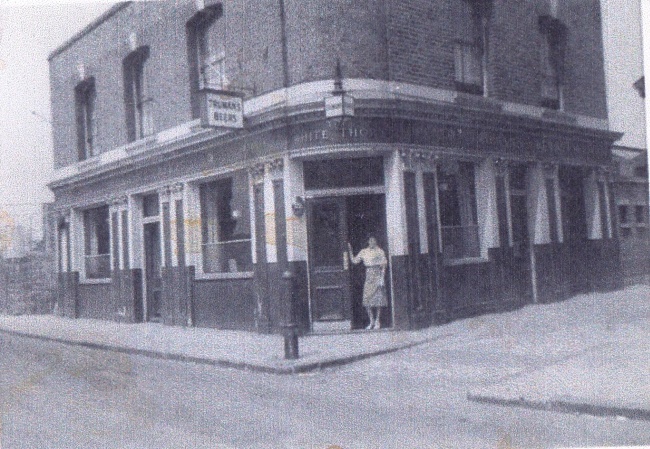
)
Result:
{"points": [[377, 324], [370, 326]]}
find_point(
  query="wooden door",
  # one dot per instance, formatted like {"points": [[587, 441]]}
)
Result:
{"points": [[329, 263], [153, 265]]}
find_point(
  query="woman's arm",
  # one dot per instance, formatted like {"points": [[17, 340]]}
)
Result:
{"points": [[357, 259]]}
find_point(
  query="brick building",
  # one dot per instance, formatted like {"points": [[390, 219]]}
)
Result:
{"points": [[631, 192], [213, 159]]}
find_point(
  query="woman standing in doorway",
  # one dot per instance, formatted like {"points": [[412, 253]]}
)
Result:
{"points": [[374, 291]]}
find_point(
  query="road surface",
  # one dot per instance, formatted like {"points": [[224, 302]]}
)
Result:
{"points": [[58, 396]]}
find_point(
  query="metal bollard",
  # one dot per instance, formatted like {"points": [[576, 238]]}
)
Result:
{"points": [[291, 350], [289, 328]]}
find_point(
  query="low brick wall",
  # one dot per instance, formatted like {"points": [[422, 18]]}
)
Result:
{"points": [[27, 284]]}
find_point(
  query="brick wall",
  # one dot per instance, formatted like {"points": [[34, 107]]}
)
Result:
{"points": [[253, 61], [403, 40], [319, 32], [27, 284], [421, 49]]}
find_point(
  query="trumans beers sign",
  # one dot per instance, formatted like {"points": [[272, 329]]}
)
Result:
{"points": [[222, 109]]}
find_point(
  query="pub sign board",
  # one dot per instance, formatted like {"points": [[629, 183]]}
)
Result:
{"points": [[222, 109]]}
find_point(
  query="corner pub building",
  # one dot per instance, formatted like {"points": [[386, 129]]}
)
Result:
{"points": [[213, 160]]}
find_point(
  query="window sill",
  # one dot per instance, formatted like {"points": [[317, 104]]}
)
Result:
{"points": [[465, 261], [469, 88], [224, 276], [96, 281]]}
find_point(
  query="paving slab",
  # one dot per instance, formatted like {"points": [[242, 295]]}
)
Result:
{"points": [[594, 359], [228, 348]]}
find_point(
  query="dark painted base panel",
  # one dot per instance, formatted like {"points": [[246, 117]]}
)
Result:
{"points": [[224, 304], [97, 301], [177, 293], [437, 293], [426, 291], [127, 295], [564, 270], [67, 294]]}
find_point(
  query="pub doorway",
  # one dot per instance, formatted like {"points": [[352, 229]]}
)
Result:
{"points": [[336, 284]]}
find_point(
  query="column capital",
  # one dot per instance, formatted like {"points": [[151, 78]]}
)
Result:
{"points": [[118, 202], [176, 190], [163, 194], [256, 172], [549, 169], [275, 168], [417, 159], [501, 166]]}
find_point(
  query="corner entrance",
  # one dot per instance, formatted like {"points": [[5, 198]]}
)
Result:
{"points": [[336, 285]]}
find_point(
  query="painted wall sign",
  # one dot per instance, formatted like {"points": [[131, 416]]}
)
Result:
{"points": [[222, 109]]}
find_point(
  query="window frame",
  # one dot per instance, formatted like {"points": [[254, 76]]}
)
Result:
{"points": [[467, 206], [196, 30], [85, 99], [136, 102], [91, 251], [214, 235], [467, 48], [552, 55]]}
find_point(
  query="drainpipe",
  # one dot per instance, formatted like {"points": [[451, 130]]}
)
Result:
{"points": [[285, 50]]}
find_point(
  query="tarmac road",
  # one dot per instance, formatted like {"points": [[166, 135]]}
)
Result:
{"points": [[58, 396]]}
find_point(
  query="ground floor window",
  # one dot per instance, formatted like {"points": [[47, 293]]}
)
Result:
{"points": [[458, 215], [633, 220], [97, 256], [225, 225]]}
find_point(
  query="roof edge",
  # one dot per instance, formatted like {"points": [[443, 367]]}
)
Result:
{"points": [[88, 28]]}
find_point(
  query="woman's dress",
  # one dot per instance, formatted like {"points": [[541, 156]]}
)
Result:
{"points": [[374, 293]]}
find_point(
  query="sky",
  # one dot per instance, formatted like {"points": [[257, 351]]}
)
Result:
{"points": [[624, 65], [30, 30]]}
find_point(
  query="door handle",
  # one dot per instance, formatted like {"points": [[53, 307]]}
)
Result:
{"points": [[346, 262]]}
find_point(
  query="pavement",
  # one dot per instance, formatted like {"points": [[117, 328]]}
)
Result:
{"points": [[225, 348], [589, 354]]}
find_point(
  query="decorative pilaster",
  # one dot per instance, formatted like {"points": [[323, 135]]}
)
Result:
{"points": [[418, 160], [257, 173]]}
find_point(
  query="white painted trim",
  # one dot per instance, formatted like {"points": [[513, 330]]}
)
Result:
{"points": [[301, 95], [224, 276], [395, 207], [438, 222], [466, 261], [347, 191], [95, 281], [296, 226], [506, 180], [558, 207], [610, 232], [486, 206], [269, 218], [422, 216], [253, 218]]}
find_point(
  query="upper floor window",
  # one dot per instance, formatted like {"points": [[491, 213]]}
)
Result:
{"points": [[211, 57], [84, 95], [458, 212], [206, 51], [137, 104], [552, 62], [97, 249], [470, 45], [225, 223]]}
